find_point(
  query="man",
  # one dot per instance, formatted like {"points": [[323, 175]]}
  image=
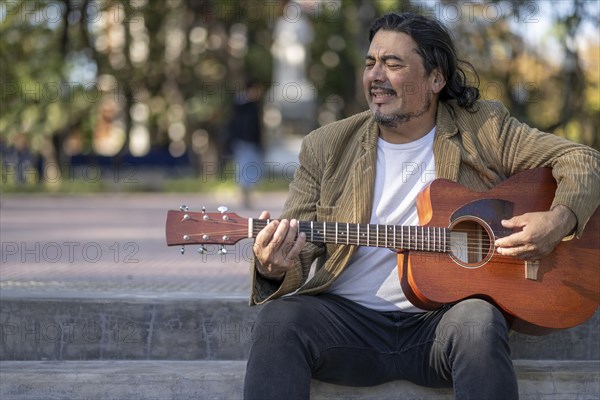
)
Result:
{"points": [[350, 323]]}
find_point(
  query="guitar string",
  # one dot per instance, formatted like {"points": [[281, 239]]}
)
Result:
{"points": [[426, 240], [439, 247], [353, 235], [480, 254], [421, 233], [259, 224]]}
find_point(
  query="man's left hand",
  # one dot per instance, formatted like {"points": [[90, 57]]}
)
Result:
{"points": [[541, 232]]}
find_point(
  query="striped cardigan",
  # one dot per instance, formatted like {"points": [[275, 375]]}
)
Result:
{"points": [[478, 149]]}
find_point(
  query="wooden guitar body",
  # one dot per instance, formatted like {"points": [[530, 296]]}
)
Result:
{"points": [[559, 291]]}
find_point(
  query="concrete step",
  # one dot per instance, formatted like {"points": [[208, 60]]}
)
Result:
{"points": [[31, 380], [188, 329]]}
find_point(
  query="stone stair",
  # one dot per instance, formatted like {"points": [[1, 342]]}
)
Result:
{"points": [[194, 348], [207, 379]]}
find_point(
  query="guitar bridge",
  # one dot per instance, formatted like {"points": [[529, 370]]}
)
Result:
{"points": [[531, 270]]}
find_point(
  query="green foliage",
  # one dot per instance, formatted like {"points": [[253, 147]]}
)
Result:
{"points": [[71, 71]]}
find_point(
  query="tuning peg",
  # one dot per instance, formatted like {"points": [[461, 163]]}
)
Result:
{"points": [[202, 250], [182, 250], [183, 207], [223, 210], [222, 250]]}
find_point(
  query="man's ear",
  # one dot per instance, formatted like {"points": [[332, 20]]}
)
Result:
{"points": [[437, 81]]}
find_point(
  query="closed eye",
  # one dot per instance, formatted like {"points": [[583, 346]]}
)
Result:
{"points": [[391, 61]]}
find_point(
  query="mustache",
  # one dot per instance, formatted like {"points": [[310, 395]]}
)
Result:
{"points": [[382, 88]]}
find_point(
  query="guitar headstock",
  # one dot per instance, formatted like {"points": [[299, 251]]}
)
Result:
{"points": [[186, 227]]}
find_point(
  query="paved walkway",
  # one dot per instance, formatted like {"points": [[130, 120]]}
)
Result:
{"points": [[114, 245]]}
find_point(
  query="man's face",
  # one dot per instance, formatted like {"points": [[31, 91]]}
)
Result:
{"points": [[394, 80]]}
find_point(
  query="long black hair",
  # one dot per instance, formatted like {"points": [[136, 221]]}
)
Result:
{"points": [[436, 47]]}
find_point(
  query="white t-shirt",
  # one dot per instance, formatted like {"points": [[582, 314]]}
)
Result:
{"points": [[403, 170]]}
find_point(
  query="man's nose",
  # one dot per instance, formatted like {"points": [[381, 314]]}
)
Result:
{"points": [[376, 73]]}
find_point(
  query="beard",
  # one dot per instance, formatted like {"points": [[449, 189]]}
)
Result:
{"points": [[392, 120]]}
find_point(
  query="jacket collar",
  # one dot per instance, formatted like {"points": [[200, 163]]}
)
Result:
{"points": [[370, 133], [445, 119], [445, 150]]}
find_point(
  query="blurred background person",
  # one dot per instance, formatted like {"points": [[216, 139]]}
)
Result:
{"points": [[244, 138]]}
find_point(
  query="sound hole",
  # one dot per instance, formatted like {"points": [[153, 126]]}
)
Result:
{"points": [[470, 243]]}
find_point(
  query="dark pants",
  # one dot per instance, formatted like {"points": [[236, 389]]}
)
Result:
{"points": [[335, 340]]}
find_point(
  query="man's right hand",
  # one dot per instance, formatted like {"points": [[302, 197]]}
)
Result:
{"points": [[276, 247]]}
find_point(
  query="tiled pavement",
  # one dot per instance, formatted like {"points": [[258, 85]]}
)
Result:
{"points": [[114, 245]]}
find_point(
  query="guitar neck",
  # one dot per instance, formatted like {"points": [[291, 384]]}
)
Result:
{"points": [[419, 238]]}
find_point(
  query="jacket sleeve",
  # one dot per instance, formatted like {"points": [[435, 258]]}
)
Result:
{"points": [[575, 167], [301, 203]]}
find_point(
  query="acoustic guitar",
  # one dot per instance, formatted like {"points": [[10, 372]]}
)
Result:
{"points": [[451, 256]]}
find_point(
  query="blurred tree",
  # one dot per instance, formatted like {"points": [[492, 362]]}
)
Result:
{"points": [[528, 55], [127, 77]]}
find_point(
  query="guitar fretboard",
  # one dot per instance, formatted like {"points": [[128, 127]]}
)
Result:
{"points": [[420, 238]]}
